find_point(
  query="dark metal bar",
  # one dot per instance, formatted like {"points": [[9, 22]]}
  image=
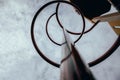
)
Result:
{"points": [[74, 68]]}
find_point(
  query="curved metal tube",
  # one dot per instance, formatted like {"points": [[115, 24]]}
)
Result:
{"points": [[59, 44], [107, 53], [93, 63], [83, 30], [74, 33]]}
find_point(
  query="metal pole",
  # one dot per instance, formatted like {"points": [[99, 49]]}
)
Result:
{"points": [[73, 67]]}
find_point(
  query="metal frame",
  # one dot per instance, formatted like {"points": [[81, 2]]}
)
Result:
{"points": [[93, 63]]}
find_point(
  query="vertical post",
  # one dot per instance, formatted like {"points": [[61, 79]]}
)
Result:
{"points": [[72, 66]]}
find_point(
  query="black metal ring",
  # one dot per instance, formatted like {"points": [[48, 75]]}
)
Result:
{"points": [[82, 20], [100, 59], [32, 31], [74, 33], [59, 44]]}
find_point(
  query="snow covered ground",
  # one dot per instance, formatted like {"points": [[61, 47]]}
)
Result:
{"points": [[20, 61]]}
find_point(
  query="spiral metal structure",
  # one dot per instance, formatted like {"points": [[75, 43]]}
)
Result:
{"points": [[97, 61]]}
